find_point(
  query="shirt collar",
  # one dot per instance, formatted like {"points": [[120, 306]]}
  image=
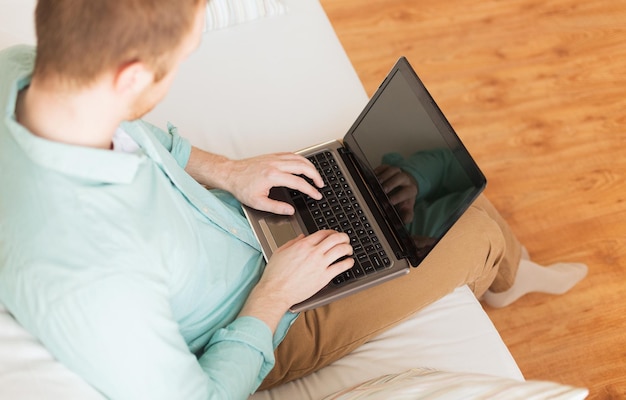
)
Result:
{"points": [[96, 165]]}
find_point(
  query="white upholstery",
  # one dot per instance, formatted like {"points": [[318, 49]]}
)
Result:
{"points": [[28, 371], [275, 84]]}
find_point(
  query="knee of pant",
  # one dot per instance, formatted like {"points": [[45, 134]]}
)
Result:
{"points": [[491, 247]]}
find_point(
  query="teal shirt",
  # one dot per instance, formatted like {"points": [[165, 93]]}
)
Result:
{"points": [[127, 270]]}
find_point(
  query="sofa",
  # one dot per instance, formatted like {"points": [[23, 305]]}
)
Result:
{"points": [[279, 80]]}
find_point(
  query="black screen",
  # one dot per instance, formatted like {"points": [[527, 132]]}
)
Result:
{"points": [[414, 161]]}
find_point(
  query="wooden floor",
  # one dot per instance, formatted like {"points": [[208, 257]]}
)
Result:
{"points": [[537, 91]]}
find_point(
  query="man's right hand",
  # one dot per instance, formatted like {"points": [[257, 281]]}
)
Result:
{"points": [[296, 271], [250, 180]]}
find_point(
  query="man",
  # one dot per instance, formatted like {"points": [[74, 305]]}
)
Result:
{"points": [[134, 275]]}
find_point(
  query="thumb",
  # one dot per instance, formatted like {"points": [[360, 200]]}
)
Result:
{"points": [[273, 206]]}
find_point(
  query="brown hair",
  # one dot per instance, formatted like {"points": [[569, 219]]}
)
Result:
{"points": [[79, 40]]}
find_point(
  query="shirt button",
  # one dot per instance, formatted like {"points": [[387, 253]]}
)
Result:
{"points": [[234, 231], [205, 210]]}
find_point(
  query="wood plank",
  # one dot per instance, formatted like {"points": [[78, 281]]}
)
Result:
{"points": [[537, 91]]}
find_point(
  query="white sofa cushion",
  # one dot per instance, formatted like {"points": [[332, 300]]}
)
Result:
{"points": [[430, 384], [223, 14], [29, 372]]}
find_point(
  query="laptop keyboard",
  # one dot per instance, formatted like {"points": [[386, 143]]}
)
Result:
{"points": [[339, 210]]}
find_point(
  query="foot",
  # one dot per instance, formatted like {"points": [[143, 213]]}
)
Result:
{"points": [[531, 277]]}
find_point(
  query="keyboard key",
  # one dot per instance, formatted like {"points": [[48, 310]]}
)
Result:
{"points": [[368, 268]]}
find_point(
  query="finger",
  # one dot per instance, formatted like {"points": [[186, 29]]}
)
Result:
{"points": [[337, 252], [339, 267], [333, 240], [389, 179], [381, 169], [297, 165], [400, 179], [388, 171], [273, 206], [405, 194], [316, 238], [396, 180], [299, 184], [321, 242], [313, 174]]}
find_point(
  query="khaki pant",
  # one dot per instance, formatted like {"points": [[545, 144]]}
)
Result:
{"points": [[479, 250]]}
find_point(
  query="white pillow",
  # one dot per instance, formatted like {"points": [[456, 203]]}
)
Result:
{"points": [[222, 14], [425, 383]]}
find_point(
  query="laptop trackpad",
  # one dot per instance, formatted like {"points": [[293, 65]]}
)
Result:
{"points": [[277, 231]]}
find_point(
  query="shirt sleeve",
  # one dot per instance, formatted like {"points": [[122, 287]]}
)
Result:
{"points": [[178, 146], [119, 335], [232, 342]]}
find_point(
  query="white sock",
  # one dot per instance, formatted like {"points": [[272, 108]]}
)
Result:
{"points": [[531, 277]]}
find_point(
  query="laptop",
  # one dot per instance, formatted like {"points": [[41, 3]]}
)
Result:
{"points": [[396, 183]]}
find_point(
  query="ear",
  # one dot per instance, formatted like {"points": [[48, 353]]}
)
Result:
{"points": [[132, 78]]}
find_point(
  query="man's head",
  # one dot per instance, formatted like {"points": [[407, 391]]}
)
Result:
{"points": [[78, 40], [100, 62]]}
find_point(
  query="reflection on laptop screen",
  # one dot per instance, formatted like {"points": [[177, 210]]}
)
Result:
{"points": [[418, 160]]}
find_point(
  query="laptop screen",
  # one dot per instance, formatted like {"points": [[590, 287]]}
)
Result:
{"points": [[416, 166]]}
